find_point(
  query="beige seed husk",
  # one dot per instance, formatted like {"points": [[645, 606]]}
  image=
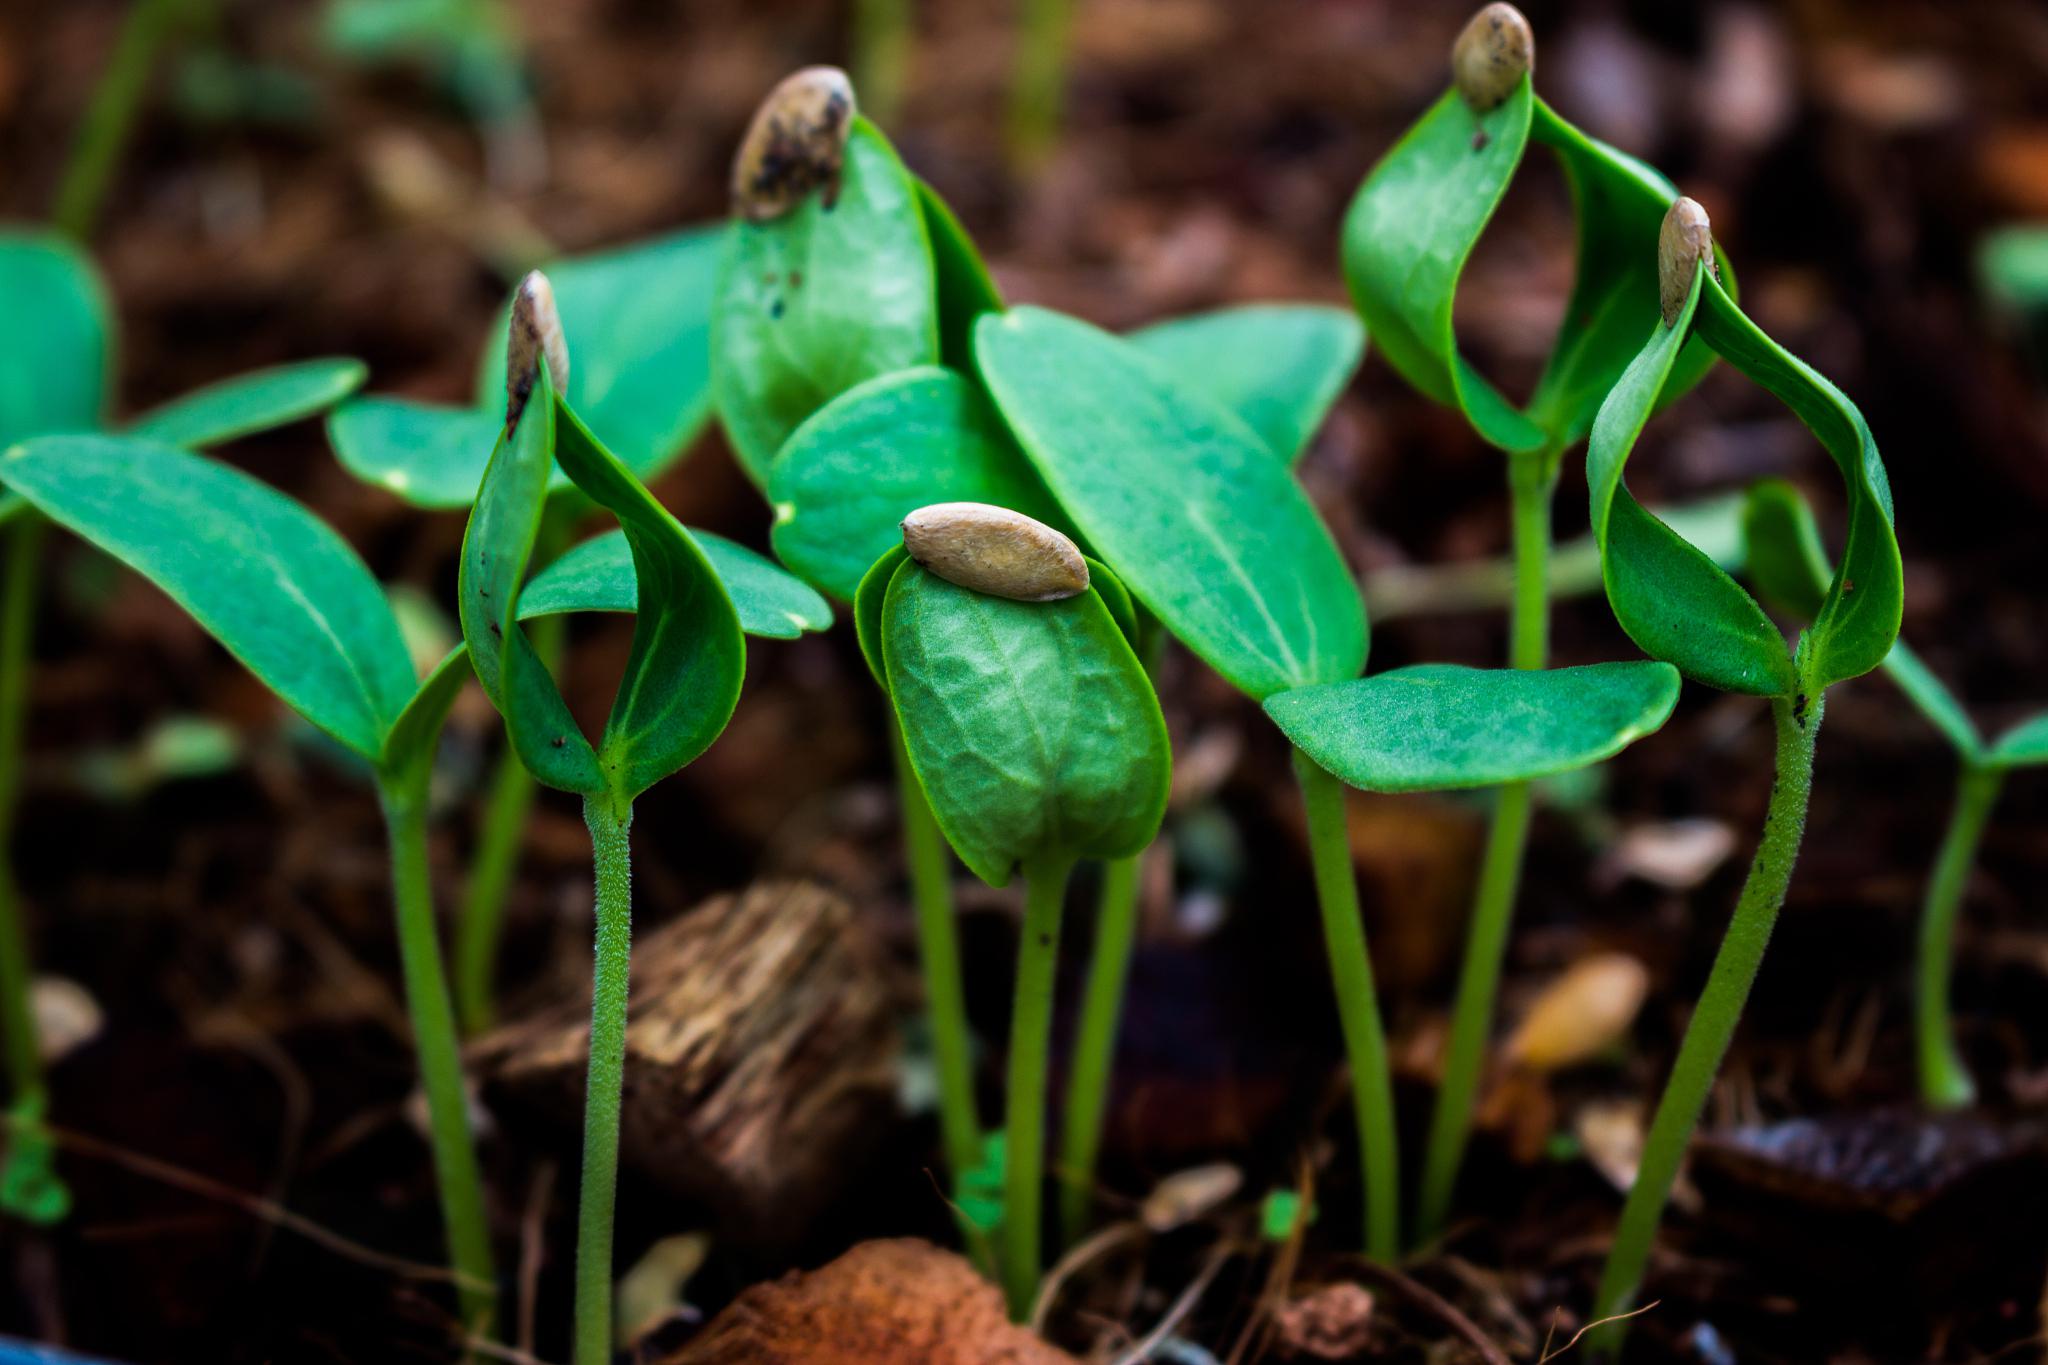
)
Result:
{"points": [[1185, 1196], [1581, 1014], [1686, 239], [1494, 51], [796, 144], [535, 335], [996, 551]]}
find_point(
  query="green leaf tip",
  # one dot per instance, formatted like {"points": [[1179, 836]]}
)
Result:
{"points": [[535, 335], [1493, 52], [996, 551], [1684, 242], [795, 144]]}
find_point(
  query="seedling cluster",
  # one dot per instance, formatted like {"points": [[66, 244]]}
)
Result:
{"points": [[1020, 510]]}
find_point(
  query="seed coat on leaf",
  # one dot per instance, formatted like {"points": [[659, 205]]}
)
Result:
{"points": [[1494, 51], [1686, 239], [995, 550], [796, 144], [535, 335]]}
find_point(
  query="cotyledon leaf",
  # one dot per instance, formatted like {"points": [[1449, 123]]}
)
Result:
{"points": [[1278, 366], [55, 358], [1423, 208], [1436, 727], [1790, 568], [273, 583], [1675, 602], [1207, 530], [1031, 726], [811, 303], [252, 402], [598, 575], [864, 461], [2025, 745], [431, 455]]}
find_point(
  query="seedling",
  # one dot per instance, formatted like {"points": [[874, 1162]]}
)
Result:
{"points": [[1407, 238], [851, 428], [1036, 737], [1680, 607], [638, 319], [681, 684], [1791, 570], [1215, 538], [54, 378]]}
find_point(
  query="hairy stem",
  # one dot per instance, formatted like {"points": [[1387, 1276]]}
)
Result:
{"points": [[1038, 952], [938, 948], [111, 116], [1358, 1007], [1713, 1019], [1530, 481], [1116, 930], [404, 796], [611, 851], [1944, 1081]]}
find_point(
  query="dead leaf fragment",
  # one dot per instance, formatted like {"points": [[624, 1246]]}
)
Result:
{"points": [[1677, 855], [1581, 1014], [1187, 1195]]}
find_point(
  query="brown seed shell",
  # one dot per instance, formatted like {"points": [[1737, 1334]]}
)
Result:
{"points": [[535, 335], [796, 144], [1686, 239], [996, 551], [1494, 51]]}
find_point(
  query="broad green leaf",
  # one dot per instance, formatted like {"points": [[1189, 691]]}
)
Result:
{"points": [[1207, 530], [598, 575], [1422, 209], [812, 303], [281, 591], [850, 474], [682, 678], [638, 323], [430, 455], [1675, 602], [1030, 725], [1435, 727], [1407, 235], [55, 359], [497, 546], [250, 403], [2023, 746], [867, 609], [965, 288], [1278, 366], [1790, 566]]}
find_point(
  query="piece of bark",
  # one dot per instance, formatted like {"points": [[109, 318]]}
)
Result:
{"points": [[761, 1055], [896, 1302]]}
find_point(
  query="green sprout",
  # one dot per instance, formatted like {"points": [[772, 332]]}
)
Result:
{"points": [[1791, 570], [1406, 240], [1677, 605], [681, 683], [1036, 737], [1215, 539], [55, 378], [1038, 80], [638, 318]]}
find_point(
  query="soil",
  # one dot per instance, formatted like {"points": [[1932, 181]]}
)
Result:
{"points": [[234, 928]]}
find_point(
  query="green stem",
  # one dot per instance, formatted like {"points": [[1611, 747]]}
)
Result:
{"points": [[881, 55], [938, 948], [481, 926], [1530, 481], [611, 851], [1038, 82], [1038, 951], [1116, 930], [111, 115], [1713, 1019], [1358, 1008], [404, 796], [1944, 1081], [29, 1187]]}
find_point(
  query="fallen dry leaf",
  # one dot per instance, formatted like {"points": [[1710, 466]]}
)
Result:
{"points": [[1184, 1196], [896, 1302], [1675, 854], [1581, 1014]]}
